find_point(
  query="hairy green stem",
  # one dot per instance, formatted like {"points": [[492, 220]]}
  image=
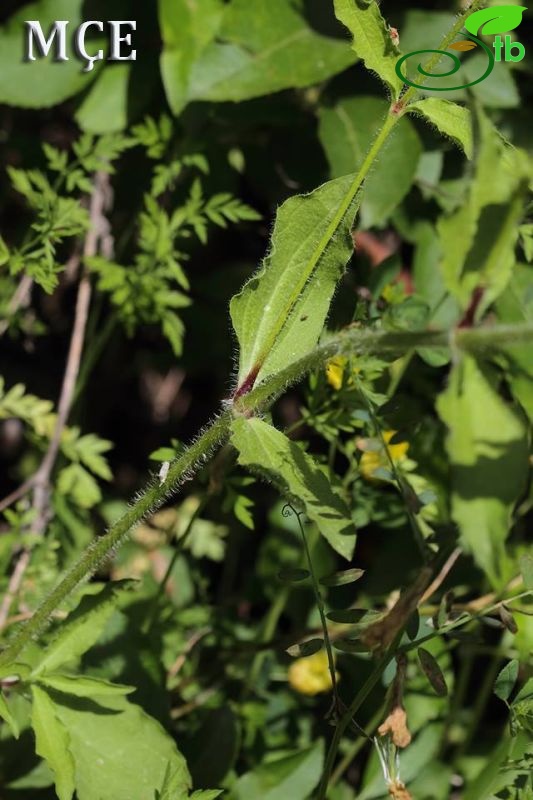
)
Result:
{"points": [[355, 341], [349, 342], [448, 39], [101, 548]]}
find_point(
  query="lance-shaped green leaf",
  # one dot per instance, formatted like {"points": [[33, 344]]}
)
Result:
{"points": [[280, 313], [219, 52], [53, 742], [269, 452], [478, 240], [81, 629], [488, 451], [306, 649], [433, 671], [497, 19], [372, 39], [449, 118]]}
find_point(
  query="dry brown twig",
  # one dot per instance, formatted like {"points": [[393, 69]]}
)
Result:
{"points": [[441, 577], [382, 633], [98, 239]]}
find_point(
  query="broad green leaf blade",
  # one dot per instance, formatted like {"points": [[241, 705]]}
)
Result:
{"points": [[478, 240], [280, 313], [8, 717], [506, 680], [82, 686], [498, 19], [292, 777], [52, 742], [81, 630], [372, 39], [41, 83], [187, 29], [120, 755], [347, 131], [449, 118], [433, 672], [105, 109], [488, 451], [260, 48], [268, 451]]}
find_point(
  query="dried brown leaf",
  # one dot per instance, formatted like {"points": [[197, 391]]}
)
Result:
{"points": [[463, 46]]}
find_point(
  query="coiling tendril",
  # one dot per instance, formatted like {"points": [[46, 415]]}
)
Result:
{"points": [[455, 68], [288, 510]]}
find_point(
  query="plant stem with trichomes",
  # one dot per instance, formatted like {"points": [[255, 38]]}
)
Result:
{"points": [[349, 342]]}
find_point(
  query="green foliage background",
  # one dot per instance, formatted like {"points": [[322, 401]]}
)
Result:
{"points": [[167, 674]]}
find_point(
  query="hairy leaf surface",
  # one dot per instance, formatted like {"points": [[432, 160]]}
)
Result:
{"points": [[372, 39], [279, 314], [449, 118]]}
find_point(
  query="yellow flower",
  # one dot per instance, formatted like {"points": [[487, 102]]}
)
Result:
{"points": [[335, 371], [311, 675], [372, 460]]}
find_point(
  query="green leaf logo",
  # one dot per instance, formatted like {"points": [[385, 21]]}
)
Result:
{"points": [[498, 19]]}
